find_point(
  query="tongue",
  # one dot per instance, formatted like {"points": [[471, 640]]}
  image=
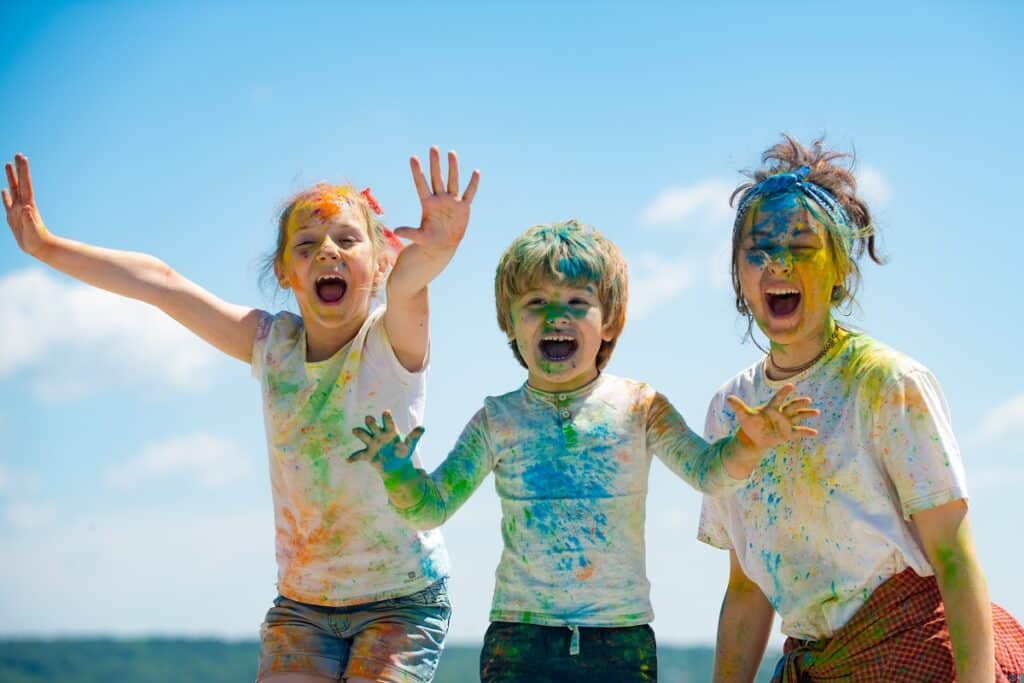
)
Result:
{"points": [[783, 304], [331, 291]]}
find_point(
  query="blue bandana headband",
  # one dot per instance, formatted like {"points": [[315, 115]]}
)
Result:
{"points": [[795, 182]]}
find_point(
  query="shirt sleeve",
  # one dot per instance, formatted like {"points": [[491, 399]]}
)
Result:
{"points": [[696, 461], [914, 438], [259, 344], [381, 354], [444, 491], [711, 529]]}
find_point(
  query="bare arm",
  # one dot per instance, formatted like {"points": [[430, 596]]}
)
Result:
{"points": [[442, 226], [744, 625], [228, 327], [947, 540]]}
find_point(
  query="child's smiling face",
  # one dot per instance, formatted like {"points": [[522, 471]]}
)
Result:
{"points": [[559, 328], [786, 270], [330, 263]]}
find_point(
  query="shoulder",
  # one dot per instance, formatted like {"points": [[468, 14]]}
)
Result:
{"points": [[741, 384], [510, 400], [279, 329], [876, 365]]}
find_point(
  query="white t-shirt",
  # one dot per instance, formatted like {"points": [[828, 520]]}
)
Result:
{"points": [[571, 471], [338, 541], [823, 521]]}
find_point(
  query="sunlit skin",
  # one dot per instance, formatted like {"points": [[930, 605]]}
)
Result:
{"points": [[785, 247], [330, 238], [554, 311]]}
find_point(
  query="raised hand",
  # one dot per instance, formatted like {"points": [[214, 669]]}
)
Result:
{"points": [[386, 449], [445, 213], [777, 421], [22, 214]]}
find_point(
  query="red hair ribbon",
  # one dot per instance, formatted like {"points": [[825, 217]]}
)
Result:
{"points": [[393, 242], [374, 206]]}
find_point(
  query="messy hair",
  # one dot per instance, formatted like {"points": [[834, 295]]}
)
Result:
{"points": [[570, 253], [787, 156]]}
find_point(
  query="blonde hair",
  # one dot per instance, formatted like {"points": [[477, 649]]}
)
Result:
{"points": [[570, 253]]}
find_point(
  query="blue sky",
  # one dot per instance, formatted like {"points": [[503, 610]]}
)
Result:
{"points": [[132, 461]]}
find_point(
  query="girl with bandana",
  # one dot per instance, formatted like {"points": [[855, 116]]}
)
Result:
{"points": [[860, 538]]}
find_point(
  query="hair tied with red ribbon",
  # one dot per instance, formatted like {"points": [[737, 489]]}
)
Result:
{"points": [[372, 201]]}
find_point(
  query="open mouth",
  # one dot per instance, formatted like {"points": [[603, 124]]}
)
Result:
{"points": [[558, 347], [782, 301], [331, 288]]}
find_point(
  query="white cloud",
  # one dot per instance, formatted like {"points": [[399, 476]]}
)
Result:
{"points": [[654, 281], [703, 204], [74, 340], [30, 515], [212, 462], [1003, 421], [91, 574], [16, 481], [872, 186]]}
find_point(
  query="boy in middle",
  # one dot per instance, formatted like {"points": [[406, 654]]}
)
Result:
{"points": [[571, 451]]}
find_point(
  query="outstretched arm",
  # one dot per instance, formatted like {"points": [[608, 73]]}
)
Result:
{"points": [[426, 501], [442, 226], [228, 327], [723, 464], [744, 625], [948, 542]]}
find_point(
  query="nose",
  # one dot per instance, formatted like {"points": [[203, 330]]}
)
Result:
{"points": [[328, 251], [780, 261], [557, 313]]}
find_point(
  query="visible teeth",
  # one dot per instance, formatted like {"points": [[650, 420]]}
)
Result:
{"points": [[781, 290], [557, 338], [329, 278]]}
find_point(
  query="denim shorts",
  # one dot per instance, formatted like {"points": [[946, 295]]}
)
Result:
{"points": [[398, 640], [540, 654]]}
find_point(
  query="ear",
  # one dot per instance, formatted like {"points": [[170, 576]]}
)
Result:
{"points": [[282, 281], [608, 333]]}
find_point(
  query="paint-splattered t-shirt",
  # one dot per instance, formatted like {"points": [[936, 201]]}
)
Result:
{"points": [[338, 541], [822, 522], [571, 471]]}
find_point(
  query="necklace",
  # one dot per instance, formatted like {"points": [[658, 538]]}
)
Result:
{"points": [[803, 366]]}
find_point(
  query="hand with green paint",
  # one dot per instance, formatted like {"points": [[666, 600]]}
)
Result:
{"points": [[386, 449], [774, 423]]}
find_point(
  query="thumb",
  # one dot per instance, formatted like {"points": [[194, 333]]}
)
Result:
{"points": [[413, 440], [405, 232]]}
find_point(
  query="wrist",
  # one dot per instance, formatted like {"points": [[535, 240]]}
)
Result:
{"points": [[742, 456]]}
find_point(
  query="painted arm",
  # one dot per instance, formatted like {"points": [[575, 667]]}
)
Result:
{"points": [[425, 500], [442, 226], [949, 544], [744, 625], [724, 464], [228, 327]]}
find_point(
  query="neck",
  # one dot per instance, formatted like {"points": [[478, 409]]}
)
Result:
{"points": [[323, 342], [786, 360]]}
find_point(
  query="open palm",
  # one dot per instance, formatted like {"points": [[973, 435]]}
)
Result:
{"points": [[445, 213]]}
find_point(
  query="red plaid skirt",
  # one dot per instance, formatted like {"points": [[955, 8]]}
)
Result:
{"points": [[898, 636]]}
